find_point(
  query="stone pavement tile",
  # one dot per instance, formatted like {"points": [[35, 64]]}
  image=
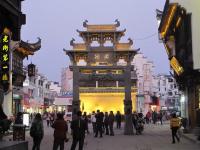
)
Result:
{"points": [[191, 137]]}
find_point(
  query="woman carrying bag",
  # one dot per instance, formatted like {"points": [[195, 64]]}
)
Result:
{"points": [[37, 131]]}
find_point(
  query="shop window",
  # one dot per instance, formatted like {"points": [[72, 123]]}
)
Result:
{"points": [[170, 93]]}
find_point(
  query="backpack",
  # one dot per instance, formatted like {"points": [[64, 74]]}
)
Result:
{"points": [[35, 130]]}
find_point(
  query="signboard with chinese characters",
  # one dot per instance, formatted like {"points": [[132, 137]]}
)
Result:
{"points": [[5, 59], [176, 66], [104, 58]]}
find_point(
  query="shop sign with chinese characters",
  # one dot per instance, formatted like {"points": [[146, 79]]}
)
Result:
{"points": [[176, 66], [5, 54]]}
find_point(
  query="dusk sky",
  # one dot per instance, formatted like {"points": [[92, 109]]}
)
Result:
{"points": [[55, 22]]}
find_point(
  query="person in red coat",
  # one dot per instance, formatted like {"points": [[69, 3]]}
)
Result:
{"points": [[60, 131]]}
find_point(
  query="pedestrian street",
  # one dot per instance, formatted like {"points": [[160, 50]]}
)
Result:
{"points": [[154, 137]]}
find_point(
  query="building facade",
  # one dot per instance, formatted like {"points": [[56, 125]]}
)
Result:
{"points": [[102, 74], [179, 32], [145, 82], [168, 93], [96, 73], [66, 80], [38, 94], [12, 74]]}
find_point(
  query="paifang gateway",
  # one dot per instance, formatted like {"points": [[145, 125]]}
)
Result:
{"points": [[103, 77]]}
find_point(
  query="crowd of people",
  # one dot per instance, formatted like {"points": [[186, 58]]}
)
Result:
{"points": [[102, 124]]}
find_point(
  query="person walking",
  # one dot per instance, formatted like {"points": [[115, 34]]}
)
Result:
{"points": [[154, 117], [135, 121], [85, 118], [51, 119], [111, 119], [60, 132], [99, 123], [118, 119], [103, 126], [48, 119], [37, 131], [148, 116], [174, 125], [93, 120], [106, 123], [161, 117], [78, 127]]}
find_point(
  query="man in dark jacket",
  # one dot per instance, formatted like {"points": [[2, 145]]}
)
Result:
{"points": [[60, 126], [118, 119], [99, 123], [78, 127], [106, 123], [111, 119]]}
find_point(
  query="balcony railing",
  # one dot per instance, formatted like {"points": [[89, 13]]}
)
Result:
{"points": [[100, 77], [105, 89]]}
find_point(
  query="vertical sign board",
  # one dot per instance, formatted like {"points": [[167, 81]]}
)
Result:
{"points": [[5, 59], [176, 66]]}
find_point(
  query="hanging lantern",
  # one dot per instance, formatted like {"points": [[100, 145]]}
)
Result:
{"points": [[31, 70]]}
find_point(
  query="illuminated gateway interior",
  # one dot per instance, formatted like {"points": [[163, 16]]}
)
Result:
{"points": [[103, 77]]}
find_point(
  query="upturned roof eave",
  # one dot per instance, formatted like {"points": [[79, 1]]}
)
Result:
{"points": [[33, 47]]}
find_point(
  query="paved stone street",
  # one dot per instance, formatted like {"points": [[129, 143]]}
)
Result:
{"points": [[155, 137]]}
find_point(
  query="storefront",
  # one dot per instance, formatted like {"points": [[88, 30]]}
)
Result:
{"points": [[17, 103], [63, 104], [179, 31], [26, 103]]}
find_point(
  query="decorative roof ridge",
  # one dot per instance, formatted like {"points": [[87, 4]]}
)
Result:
{"points": [[131, 50], [86, 25], [31, 46], [130, 42], [77, 46], [101, 27], [79, 31], [72, 42]]}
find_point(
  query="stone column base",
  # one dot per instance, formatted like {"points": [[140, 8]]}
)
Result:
{"points": [[128, 128]]}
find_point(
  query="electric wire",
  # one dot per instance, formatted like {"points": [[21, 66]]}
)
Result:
{"points": [[146, 37]]}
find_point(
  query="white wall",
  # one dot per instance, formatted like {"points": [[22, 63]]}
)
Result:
{"points": [[55, 87]]}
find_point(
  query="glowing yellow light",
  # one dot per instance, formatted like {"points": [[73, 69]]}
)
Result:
{"points": [[176, 66], [59, 108], [178, 22], [167, 49], [105, 101], [168, 21], [6, 31]]}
